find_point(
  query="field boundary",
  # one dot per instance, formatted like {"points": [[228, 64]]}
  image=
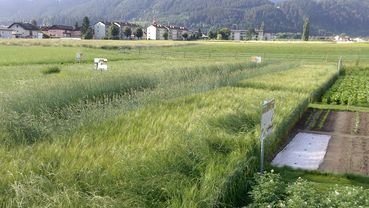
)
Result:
{"points": [[350, 108]]}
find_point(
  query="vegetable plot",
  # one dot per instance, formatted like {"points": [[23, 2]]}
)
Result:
{"points": [[350, 89]]}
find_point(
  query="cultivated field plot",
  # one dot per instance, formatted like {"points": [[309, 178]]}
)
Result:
{"points": [[348, 149], [168, 125], [352, 88]]}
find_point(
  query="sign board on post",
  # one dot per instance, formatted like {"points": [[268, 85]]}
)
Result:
{"points": [[101, 64], [266, 127]]}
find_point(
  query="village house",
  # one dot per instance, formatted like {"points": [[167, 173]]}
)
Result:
{"points": [[25, 30], [62, 31], [6, 33], [123, 26], [101, 29], [238, 35], [157, 31], [242, 35], [343, 39]]}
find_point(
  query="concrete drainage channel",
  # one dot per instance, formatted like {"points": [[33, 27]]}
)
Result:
{"points": [[329, 141], [306, 151]]}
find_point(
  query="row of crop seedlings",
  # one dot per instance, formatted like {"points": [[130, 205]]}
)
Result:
{"points": [[352, 88], [196, 151]]}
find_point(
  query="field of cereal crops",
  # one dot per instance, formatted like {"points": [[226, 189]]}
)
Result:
{"points": [[170, 124]]}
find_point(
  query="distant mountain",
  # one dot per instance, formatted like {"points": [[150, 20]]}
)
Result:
{"points": [[327, 16]]}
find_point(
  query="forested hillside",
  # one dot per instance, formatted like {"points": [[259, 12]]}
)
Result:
{"points": [[327, 16]]}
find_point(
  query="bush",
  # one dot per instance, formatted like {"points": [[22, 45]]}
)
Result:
{"points": [[271, 191], [52, 70]]}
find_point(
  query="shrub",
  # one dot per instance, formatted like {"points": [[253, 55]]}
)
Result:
{"points": [[271, 191], [51, 70]]}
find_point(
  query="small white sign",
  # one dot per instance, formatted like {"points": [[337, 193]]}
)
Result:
{"points": [[267, 119], [256, 59], [101, 64], [79, 57]]}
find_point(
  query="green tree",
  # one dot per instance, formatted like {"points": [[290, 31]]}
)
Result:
{"points": [[306, 31], [89, 34], [199, 34], [165, 36], [219, 36], [225, 32], [212, 34], [34, 22], [85, 27], [76, 25], [262, 27], [185, 36], [127, 32], [250, 33], [113, 33], [139, 33]]}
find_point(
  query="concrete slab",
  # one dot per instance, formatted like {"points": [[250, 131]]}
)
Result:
{"points": [[306, 151]]}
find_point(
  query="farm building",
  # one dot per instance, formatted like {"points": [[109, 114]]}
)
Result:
{"points": [[25, 30], [6, 32], [157, 31], [62, 31]]}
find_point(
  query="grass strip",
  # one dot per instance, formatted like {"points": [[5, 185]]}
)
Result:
{"points": [[338, 107]]}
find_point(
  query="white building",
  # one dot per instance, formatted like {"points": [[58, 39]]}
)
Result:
{"points": [[242, 35], [123, 26], [6, 33], [156, 32], [25, 30], [101, 30], [238, 35]]}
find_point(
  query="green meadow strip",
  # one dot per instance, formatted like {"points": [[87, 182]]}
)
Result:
{"points": [[338, 107]]}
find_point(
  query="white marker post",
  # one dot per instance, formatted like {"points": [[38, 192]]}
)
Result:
{"points": [[266, 127]]}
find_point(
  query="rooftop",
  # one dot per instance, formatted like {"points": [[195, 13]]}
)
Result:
{"points": [[26, 26]]}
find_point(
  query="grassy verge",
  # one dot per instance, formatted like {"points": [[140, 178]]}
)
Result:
{"points": [[338, 107], [324, 181]]}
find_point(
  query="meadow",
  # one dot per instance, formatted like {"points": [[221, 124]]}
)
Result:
{"points": [[171, 124]]}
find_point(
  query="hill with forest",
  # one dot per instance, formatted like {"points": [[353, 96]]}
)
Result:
{"points": [[327, 16]]}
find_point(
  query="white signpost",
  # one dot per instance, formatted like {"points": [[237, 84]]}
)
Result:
{"points": [[266, 127], [101, 64]]}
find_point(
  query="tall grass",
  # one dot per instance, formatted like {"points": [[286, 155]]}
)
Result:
{"points": [[194, 151], [170, 154], [66, 105]]}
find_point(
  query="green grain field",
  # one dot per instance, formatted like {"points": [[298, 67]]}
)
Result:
{"points": [[170, 124]]}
